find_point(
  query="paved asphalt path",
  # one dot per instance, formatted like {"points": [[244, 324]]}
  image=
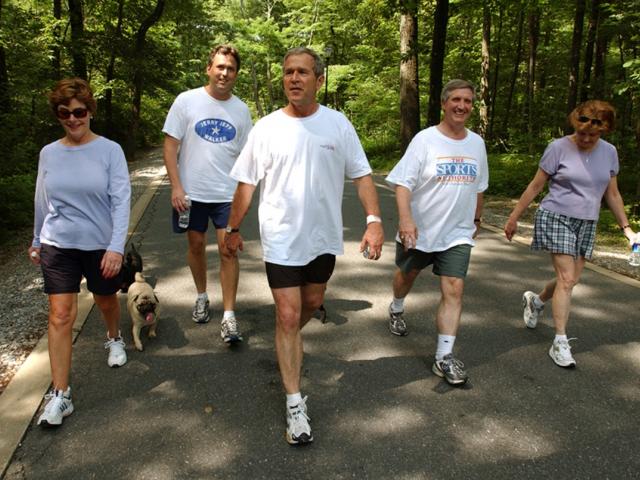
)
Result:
{"points": [[191, 407]]}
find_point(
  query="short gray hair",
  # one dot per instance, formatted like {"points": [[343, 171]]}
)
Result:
{"points": [[455, 84], [318, 67]]}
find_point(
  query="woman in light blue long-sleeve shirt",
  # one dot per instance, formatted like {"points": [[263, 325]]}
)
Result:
{"points": [[80, 228]]}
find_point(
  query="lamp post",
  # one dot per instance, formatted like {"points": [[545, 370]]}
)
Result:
{"points": [[328, 51]]}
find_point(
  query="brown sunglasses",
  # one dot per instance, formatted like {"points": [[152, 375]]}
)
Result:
{"points": [[64, 114]]}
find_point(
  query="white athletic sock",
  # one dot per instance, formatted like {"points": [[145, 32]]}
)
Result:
{"points": [[445, 345], [203, 295], [397, 305], [537, 302], [293, 399], [560, 337], [228, 314]]}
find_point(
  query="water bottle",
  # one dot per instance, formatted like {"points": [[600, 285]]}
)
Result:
{"points": [[634, 258], [183, 217]]}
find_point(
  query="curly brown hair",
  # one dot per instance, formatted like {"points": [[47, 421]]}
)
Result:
{"points": [[593, 109], [69, 88]]}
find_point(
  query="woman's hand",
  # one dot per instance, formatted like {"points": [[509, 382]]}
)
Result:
{"points": [[510, 228], [111, 264], [34, 255]]}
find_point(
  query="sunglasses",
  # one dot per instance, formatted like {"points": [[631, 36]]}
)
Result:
{"points": [[64, 114], [596, 122]]}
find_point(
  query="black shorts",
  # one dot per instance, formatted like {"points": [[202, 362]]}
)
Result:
{"points": [[201, 213], [319, 270], [63, 269]]}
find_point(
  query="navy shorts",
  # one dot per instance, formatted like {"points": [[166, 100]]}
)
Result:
{"points": [[319, 270], [200, 215], [63, 269], [453, 262], [558, 233]]}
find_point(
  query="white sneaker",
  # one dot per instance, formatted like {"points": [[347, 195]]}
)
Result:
{"points": [[117, 354], [59, 406], [298, 428], [200, 311], [531, 313], [560, 353], [229, 330]]}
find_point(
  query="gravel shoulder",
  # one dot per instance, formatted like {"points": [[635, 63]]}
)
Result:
{"points": [[23, 311]]}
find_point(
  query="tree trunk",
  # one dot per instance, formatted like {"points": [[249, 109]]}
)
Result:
{"points": [[55, 49], [5, 104], [271, 97], [108, 94], [484, 79], [409, 97], [534, 36], [438, 46], [574, 65], [594, 24], [514, 73], [138, 77], [598, 70], [256, 90], [76, 18], [496, 70]]}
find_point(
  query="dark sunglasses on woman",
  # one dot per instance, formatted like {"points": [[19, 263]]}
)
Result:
{"points": [[595, 122], [63, 113]]}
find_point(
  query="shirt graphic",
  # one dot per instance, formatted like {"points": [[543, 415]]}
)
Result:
{"points": [[456, 170], [215, 130]]}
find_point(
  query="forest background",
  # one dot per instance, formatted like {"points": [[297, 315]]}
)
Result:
{"points": [[532, 60]]}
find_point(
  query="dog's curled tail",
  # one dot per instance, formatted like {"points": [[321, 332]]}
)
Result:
{"points": [[139, 277]]}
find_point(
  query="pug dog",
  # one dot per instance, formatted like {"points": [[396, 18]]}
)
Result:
{"points": [[144, 309], [130, 266]]}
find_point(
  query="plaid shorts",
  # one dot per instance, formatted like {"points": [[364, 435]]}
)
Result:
{"points": [[557, 233]]}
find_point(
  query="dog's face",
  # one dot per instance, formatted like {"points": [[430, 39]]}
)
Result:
{"points": [[146, 306]]}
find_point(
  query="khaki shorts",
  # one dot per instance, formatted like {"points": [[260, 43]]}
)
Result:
{"points": [[453, 262]]}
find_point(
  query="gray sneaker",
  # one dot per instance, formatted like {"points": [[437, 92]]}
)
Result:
{"points": [[451, 369], [229, 330], [397, 325], [200, 311], [531, 313]]}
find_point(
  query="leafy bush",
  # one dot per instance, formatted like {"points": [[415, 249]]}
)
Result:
{"points": [[17, 194], [510, 173]]}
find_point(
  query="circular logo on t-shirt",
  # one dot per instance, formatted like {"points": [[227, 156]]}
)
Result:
{"points": [[215, 130]]}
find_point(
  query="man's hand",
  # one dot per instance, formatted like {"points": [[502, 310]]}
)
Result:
{"points": [[408, 233], [34, 255], [372, 240], [177, 199], [110, 264], [233, 243]]}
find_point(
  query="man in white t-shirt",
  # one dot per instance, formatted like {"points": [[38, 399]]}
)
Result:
{"points": [[300, 155], [439, 183], [205, 131]]}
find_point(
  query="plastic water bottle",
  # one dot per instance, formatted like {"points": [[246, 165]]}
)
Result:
{"points": [[634, 258], [183, 217]]}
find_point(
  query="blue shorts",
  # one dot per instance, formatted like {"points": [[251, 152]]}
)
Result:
{"points": [[63, 269], [453, 262], [201, 213], [562, 234], [319, 270]]}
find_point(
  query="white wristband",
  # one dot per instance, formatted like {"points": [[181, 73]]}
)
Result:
{"points": [[373, 218]]}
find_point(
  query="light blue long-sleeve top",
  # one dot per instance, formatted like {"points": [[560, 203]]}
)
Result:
{"points": [[82, 196]]}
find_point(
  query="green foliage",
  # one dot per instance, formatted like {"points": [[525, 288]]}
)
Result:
{"points": [[509, 174], [16, 192]]}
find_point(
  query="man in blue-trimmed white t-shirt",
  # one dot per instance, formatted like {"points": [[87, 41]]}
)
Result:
{"points": [[205, 131], [439, 183]]}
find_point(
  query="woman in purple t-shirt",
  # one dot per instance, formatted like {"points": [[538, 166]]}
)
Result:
{"points": [[581, 169]]}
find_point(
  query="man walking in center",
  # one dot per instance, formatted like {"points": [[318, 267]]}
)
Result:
{"points": [[439, 183], [301, 155], [205, 131]]}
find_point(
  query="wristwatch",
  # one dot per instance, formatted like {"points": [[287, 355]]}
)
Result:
{"points": [[229, 229]]}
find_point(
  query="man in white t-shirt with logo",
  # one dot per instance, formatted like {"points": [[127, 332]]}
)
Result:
{"points": [[205, 131], [300, 155], [439, 183]]}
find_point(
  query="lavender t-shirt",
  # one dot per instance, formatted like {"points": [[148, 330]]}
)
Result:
{"points": [[578, 178]]}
